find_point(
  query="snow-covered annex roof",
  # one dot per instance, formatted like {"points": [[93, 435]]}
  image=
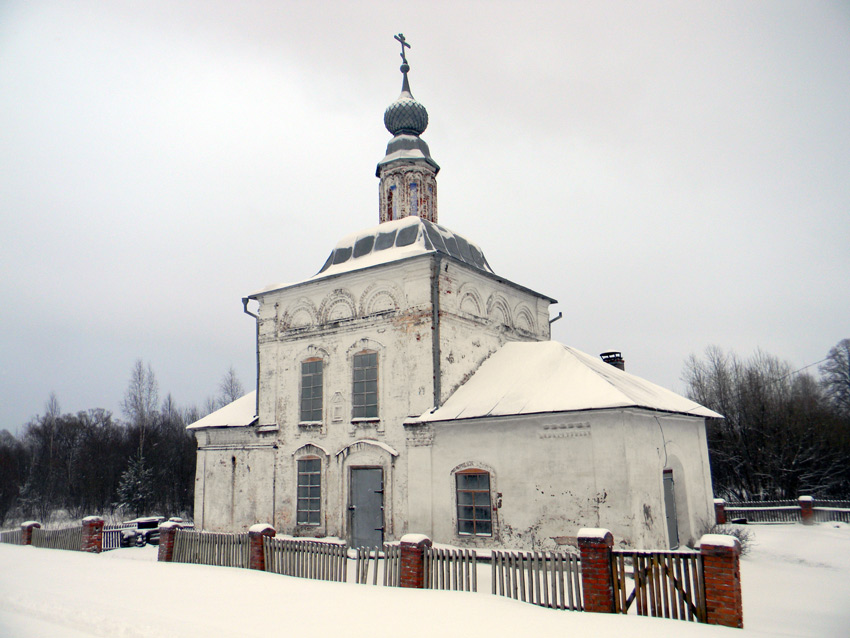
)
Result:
{"points": [[393, 241], [240, 413], [547, 376]]}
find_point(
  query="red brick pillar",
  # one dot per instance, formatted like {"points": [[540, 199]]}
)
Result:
{"points": [[807, 510], [167, 532], [722, 575], [257, 559], [413, 548], [719, 511], [26, 531], [92, 534], [596, 578]]}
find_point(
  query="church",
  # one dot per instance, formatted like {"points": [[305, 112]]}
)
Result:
{"points": [[408, 388]]}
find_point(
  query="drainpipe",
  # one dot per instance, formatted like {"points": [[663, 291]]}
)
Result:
{"points": [[245, 301], [435, 343]]}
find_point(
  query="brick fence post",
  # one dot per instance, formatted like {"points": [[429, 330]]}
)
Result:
{"points": [[596, 577], [722, 576], [167, 532], [719, 511], [257, 556], [807, 510], [92, 535], [413, 548], [26, 531]]}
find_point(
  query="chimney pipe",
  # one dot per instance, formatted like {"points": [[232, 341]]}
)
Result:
{"points": [[614, 358]]}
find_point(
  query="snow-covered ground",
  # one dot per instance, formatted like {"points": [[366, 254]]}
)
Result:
{"points": [[796, 583]]}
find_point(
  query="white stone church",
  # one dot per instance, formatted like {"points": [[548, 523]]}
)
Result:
{"points": [[406, 387]]}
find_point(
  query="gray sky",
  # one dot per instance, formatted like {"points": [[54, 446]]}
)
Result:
{"points": [[675, 174]]}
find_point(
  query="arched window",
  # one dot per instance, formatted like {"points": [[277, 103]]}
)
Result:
{"points": [[309, 507], [311, 390], [364, 397], [474, 511]]}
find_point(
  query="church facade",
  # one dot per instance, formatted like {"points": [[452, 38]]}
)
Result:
{"points": [[406, 387]]}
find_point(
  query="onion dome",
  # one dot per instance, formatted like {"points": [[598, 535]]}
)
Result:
{"points": [[406, 116]]}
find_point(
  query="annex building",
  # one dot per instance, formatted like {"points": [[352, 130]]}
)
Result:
{"points": [[406, 387]]}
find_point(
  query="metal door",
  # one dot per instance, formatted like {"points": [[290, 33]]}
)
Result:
{"points": [[366, 507], [670, 508]]}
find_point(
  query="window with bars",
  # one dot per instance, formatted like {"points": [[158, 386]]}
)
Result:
{"points": [[311, 390], [309, 509], [364, 398], [474, 514]]}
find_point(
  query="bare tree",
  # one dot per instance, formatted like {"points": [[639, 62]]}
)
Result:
{"points": [[230, 388], [835, 376], [141, 399], [779, 436]]}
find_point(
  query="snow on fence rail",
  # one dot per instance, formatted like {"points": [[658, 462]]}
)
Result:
{"points": [[211, 548], [451, 569], [665, 584], [548, 579], [69, 538], [305, 559], [13, 537]]}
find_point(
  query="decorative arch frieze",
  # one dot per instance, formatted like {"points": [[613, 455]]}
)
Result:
{"points": [[470, 300], [300, 314], [337, 306], [364, 344], [524, 319], [498, 311], [381, 296]]}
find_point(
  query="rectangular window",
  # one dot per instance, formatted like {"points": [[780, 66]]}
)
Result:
{"points": [[474, 515], [311, 390], [365, 391], [309, 491]]}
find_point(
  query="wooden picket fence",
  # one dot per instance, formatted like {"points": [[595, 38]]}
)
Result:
{"points": [[763, 513], [372, 560], [111, 538], [787, 511], [305, 559], [70, 538], [13, 537], [664, 584], [451, 569], [211, 548], [548, 579]]}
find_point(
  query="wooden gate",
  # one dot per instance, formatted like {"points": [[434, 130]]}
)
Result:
{"points": [[548, 579], [664, 584]]}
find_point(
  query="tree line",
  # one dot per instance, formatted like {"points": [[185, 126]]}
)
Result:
{"points": [[93, 463], [785, 433]]}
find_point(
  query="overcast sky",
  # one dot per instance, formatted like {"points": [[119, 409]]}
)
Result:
{"points": [[675, 174]]}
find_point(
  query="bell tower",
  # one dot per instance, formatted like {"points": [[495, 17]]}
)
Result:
{"points": [[407, 172]]}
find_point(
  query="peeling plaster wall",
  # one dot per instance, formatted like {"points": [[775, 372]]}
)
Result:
{"points": [[559, 472]]}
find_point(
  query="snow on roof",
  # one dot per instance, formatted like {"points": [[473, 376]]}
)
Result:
{"points": [[241, 412], [393, 241], [546, 376]]}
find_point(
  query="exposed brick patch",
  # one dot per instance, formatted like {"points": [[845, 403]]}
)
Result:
{"points": [[413, 548], [92, 535], [167, 533], [257, 556], [596, 578], [722, 577], [26, 531], [807, 510], [719, 511]]}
